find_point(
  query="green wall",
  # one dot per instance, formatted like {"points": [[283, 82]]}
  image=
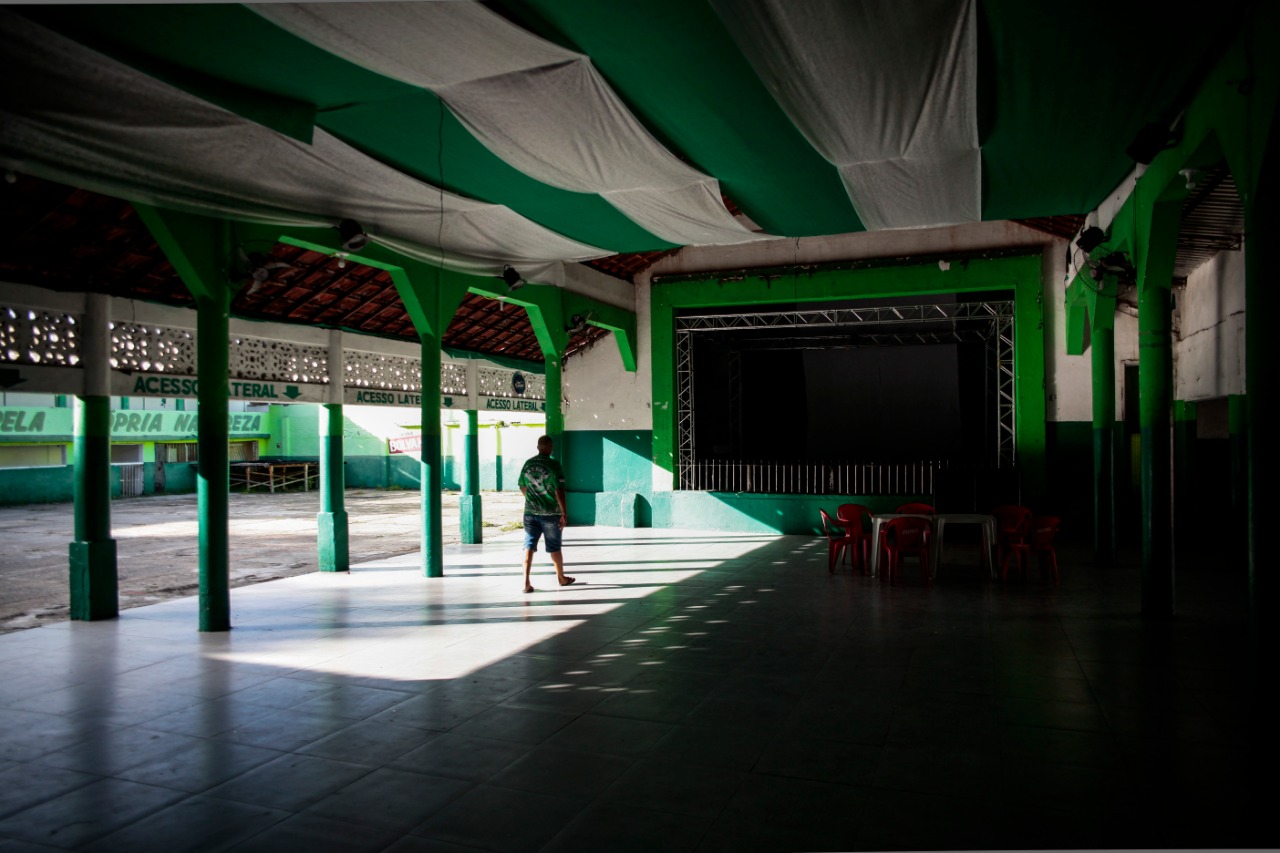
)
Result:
{"points": [[36, 485]]}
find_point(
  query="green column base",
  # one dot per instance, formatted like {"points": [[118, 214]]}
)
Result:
{"points": [[334, 548], [470, 518], [94, 585]]}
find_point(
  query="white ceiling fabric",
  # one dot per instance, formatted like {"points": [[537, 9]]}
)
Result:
{"points": [[884, 90], [84, 119], [543, 109]]}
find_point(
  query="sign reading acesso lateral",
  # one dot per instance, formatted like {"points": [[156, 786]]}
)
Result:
{"points": [[158, 385]]}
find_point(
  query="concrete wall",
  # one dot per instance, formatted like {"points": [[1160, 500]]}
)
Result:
{"points": [[1209, 349]]}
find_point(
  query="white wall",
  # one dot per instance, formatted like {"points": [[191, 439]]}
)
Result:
{"points": [[1209, 352], [601, 394], [604, 396]]}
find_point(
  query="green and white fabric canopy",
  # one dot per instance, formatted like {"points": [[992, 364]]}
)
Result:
{"points": [[539, 131]]}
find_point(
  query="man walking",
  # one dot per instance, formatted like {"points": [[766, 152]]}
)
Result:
{"points": [[542, 484]]}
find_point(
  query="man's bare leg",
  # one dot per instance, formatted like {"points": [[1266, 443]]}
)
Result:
{"points": [[558, 560], [528, 564]]}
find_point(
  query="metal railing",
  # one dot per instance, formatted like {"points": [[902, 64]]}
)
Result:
{"points": [[962, 485], [812, 478]]}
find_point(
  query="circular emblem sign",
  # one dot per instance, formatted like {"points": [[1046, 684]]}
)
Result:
{"points": [[517, 383]]}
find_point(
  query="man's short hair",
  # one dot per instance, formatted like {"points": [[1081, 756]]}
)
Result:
{"points": [[544, 439]]}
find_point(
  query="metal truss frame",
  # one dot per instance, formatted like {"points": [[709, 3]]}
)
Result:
{"points": [[989, 321]]}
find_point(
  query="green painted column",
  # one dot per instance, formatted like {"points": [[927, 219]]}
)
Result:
{"points": [[1155, 378], [92, 563], [213, 482], [1102, 353], [333, 542], [470, 517], [555, 415], [497, 459], [432, 467], [93, 552]]}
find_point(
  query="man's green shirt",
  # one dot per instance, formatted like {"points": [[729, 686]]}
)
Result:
{"points": [[540, 477]]}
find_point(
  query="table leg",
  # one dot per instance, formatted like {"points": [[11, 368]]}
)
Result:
{"points": [[936, 557], [875, 546], [989, 532]]}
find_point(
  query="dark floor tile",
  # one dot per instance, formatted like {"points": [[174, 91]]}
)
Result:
{"points": [[775, 813], [211, 717], [291, 782], [899, 820], [961, 772], [519, 725], [500, 819], [820, 759], [1060, 746], [622, 828], [432, 711], [23, 786], [609, 735], [286, 730], [1036, 712], [25, 735], [676, 788], [458, 757], [397, 799], [564, 773], [195, 825], [122, 749], [201, 766], [308, 833], [370, 742], [354, 702], [86, 813], [736, 749]]}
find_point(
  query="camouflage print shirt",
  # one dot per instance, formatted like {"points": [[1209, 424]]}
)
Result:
{"points": [[540, 477]]}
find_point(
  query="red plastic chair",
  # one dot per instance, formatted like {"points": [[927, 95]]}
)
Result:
{"points": [[906, 537], [1011, 535], [856, 519], [838, 540], [916, 508], [1039, 541]]}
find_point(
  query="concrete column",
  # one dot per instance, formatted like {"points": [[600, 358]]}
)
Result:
{"points": [[93, 577], [1102, 352], [213, 477], [1155, 384], [431, 468], [333, 543], [470, 516]]}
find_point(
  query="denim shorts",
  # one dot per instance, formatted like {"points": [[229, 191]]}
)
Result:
{"points": [[542, 525]]}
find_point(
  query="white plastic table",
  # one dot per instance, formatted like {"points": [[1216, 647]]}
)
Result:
{"points": [[988, 523], [939, 521]]}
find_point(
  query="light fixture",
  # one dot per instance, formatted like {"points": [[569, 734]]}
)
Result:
{"points": [[578, 323], [1192, 177], [513, 279], [352, 236]]}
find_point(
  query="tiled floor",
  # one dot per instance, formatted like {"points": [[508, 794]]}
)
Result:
{"points": [[698, 691]]}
